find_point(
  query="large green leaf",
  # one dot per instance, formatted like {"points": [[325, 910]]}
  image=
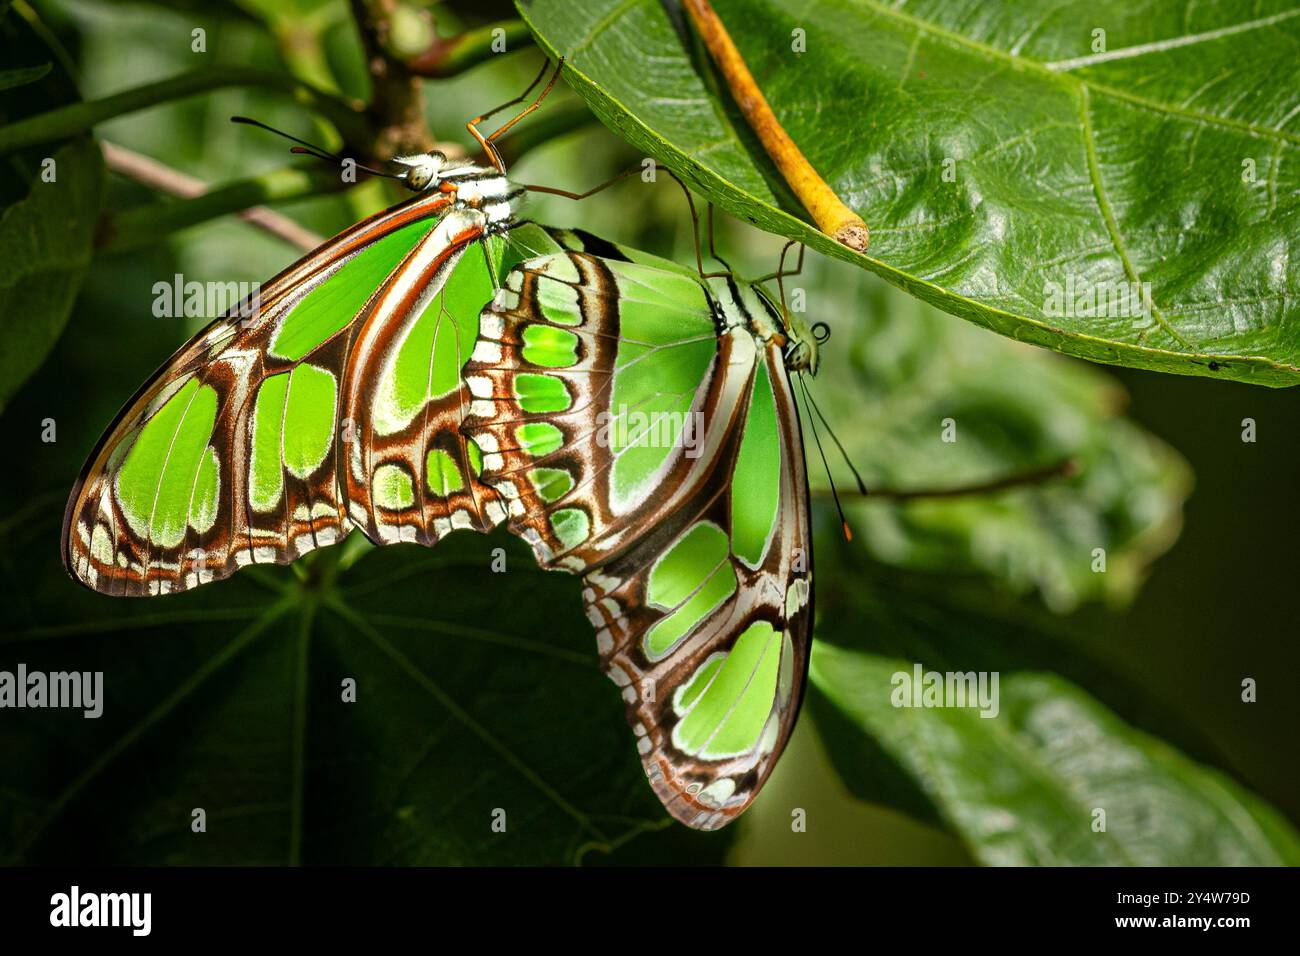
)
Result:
{"points": [[922, 402], [1168, 159], [45, 247], [49, 203], [231, 699], [1023, 787], [9, 79]]}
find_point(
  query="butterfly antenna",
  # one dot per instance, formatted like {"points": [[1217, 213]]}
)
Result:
{"points": [[310, 148], [844, 522], [862, 488], [305, 148]]}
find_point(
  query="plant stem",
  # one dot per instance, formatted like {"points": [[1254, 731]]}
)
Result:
{"points": [[455, 55], [396, 109], [1065, 468], [173, 182], [827, 209], [79, 117], [142, 225]]}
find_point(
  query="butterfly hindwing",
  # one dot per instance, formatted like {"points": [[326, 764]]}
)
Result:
{"points": [[646, 438]]}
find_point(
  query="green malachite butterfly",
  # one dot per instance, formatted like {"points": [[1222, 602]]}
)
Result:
{"points": [[334, 404], [368, 391], [696, 567]]}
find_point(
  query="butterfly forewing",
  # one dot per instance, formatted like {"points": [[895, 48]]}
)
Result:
{"points": [[644, 437], [275, 430]]}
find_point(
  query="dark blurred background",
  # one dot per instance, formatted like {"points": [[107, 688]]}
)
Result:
{"points": [[1217, 608]]}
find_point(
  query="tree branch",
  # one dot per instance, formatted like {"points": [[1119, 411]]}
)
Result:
{"points": [[396, 109], [173, 182], [78, 117], [455, 55], [830, 213], [1065, 468], [142, 225]]}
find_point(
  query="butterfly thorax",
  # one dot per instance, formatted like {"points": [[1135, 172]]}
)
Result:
{"points": [[746, 304], [476, 187]]}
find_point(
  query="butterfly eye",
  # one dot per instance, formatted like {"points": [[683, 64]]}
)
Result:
{"points": [[419, 176]]}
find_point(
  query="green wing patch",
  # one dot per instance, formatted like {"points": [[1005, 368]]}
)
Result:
{"points": [[643, 434]]}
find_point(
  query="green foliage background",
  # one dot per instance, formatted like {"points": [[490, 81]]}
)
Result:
{"points": [[1120, 690]]}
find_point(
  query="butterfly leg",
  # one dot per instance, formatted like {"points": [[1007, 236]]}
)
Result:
{"points": [[695, 233], [780, 272], [486, 143], [566, 194]]}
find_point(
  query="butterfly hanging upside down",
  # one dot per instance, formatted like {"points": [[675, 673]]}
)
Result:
{"points": [[368, 392], [696, 567], [334, 404]]}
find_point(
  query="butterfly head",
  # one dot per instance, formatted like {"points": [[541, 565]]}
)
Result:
{"points": [[800, 342], [422, 171]]}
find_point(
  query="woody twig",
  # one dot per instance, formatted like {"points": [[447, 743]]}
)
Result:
{"points": [[827, 210], [1064, 468]]}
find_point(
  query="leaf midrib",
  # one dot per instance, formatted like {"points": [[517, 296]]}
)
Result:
{"points": [[466, 719], [1171, 43]]}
